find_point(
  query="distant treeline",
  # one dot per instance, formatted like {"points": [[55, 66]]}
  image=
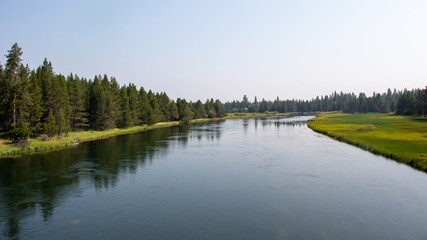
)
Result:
{"points": [[406, 102], [35, 102]]}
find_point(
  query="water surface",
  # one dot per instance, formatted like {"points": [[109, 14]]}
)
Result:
{"points": [[268, 178]]}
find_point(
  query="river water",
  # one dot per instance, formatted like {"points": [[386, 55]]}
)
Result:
{"points": [[270, 178]]}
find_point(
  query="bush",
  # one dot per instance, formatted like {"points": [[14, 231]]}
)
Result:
{"points": [[20, 132]]}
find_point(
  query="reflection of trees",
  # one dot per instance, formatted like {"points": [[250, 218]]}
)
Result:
{"points": [[32, 184], [208, 131], [279, 124], [38, 183]]}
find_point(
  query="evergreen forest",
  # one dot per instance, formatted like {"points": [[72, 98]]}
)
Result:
{"points": [[39, 101], [406, 102]]}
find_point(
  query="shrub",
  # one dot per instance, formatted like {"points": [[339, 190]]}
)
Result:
{"points": [[20, 132]]}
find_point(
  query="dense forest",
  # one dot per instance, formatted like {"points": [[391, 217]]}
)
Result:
{"points": [[39, 101], [406, 102]]}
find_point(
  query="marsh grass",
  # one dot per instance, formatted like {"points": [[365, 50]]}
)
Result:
{"points": [[398, 137]]}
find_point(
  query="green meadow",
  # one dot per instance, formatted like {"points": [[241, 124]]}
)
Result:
{"points": [[401, 138]]}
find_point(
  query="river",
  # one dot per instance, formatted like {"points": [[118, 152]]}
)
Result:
{"points": [[266, 178]]}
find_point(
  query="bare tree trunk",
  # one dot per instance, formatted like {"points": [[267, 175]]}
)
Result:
{"points": [[14, 110]]}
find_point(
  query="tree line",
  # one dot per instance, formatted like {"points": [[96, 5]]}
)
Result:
{"points": [[406, 102], [38, 101]]}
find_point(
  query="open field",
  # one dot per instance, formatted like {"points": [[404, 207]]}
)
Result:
{"points": [[398, 137], [7, 149]]}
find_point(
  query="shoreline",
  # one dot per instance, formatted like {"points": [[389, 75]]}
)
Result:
{"points": [[364, 138], [7, 150]]}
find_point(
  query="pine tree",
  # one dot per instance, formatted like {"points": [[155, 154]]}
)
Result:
{"points": [[23, 96], [20, 132], [46, 75], [406, 103], [96, 104], [143, 107], [200, 111], [210, 109], [78, 115], [132, 94], [164, 101], [125, 116], [36, 109], [219, 108], [63, 124], [11, 85], [155, 115], [185, 113], [111, 107], [51, 128], [173, 109]]}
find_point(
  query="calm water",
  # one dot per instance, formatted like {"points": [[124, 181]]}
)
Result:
{"points": [[238, 179]]}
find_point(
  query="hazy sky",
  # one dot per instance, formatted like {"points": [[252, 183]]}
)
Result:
{"points": [[225, 49]]}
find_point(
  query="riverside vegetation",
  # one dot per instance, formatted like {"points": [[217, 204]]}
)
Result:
{"points": [[41, 110], [402, 138]]}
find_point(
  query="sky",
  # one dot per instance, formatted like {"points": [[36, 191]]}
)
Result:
{"points": [[226, 49]]}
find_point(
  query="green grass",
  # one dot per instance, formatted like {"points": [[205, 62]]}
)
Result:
{"points": [[398, 137], [7, 149]]}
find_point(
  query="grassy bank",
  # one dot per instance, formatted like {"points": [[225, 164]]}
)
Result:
{"points": [[398, 137], [7, 149]]}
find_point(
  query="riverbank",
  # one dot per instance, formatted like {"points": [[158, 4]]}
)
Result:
{"points": [[401, 138], [36, 145]]}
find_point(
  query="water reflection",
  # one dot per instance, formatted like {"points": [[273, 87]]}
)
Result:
{"points": [[37, 184], [285, 121]]}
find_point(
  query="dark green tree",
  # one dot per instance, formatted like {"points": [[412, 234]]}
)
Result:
{"points": [[184, 109], [143, 107], [219, 108], [51, 128], [36, 110], [155, 114], [78, 114], [173, 110], [63, 124], [10, 86], [125, 116], [200, 110], [132, 94]]}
